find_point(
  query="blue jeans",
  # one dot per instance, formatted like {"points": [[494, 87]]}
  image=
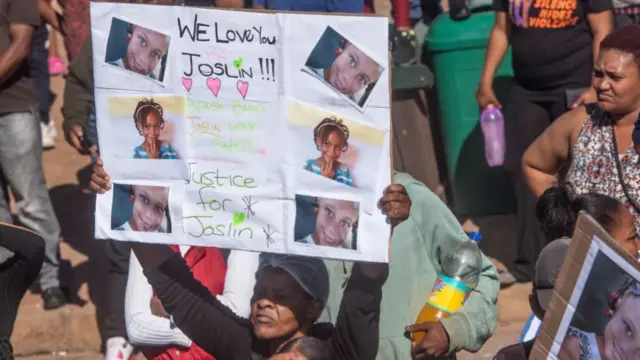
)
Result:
{"points": [[21, 165]]}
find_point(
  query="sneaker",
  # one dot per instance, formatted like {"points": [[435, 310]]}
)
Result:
{"points": [[53, 298], [405, 45], [118, 348], [49, 133]]}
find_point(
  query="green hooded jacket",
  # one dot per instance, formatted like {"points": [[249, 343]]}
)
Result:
{"points": [[418, 246]]}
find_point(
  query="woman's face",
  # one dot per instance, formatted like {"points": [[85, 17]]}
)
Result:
{"points": [[624, 232], [334, 221], [616, 78], [277, 298], [352, 70], [622, 334], [151, 127], [146, 49], [331, 148]]}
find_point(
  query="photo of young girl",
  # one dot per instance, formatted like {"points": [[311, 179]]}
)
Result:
{"points": [[331, 137], [620, 338], [149, 122], [137, 49], [344, 67], [140, 208]]}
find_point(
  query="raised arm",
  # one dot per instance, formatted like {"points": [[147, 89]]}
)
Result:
{"points": [[208, 323], [551, 150], [143, 327], [357, 330]]}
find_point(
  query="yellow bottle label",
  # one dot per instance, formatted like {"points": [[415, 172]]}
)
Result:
{"points": [[448, 294]]}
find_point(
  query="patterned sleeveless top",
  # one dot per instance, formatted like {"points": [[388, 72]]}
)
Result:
{"points": [[593, 167]]}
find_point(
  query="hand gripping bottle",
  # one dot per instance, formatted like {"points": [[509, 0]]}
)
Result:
{"points": [[459, 276], [492, 123]]}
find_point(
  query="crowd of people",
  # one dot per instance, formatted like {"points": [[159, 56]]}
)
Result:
{"points": [[573, 143]]}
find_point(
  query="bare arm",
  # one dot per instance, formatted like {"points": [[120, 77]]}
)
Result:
{"points": [[570, 349], [601, 25], [497, 48], [17, 51], [48, 14], [551, 150]]}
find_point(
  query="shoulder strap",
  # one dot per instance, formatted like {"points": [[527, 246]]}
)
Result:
{"points": [[616, 158]]}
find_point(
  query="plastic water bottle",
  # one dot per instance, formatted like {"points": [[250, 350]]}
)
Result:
{"points": [[459, 276], [492, 123]]}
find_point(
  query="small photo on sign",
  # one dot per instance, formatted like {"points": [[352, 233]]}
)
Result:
{"points": [[344, 67], [335, 147], [140, 208], [137, 49], [146, 128], [606, 320], [327, 222]]}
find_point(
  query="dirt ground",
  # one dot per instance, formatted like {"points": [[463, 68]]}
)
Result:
{"points": [[72, 332]]}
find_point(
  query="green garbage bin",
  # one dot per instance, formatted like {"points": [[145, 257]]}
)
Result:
{"points": [[458, 49]]}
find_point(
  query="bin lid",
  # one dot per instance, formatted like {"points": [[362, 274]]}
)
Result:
{"points": [[473, 32]]}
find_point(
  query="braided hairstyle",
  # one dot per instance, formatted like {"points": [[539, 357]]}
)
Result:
{"points": [[629, 286], [328, 125], [143, 109], [626, 40]]}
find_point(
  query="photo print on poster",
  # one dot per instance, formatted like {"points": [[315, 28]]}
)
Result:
{"points": [[606, 319], [344, 67], [140, 208], [335, 147], [327, 222], [137, 49], [147, 128]]}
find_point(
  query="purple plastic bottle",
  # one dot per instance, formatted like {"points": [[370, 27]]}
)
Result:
{"points": [[492, 123]]}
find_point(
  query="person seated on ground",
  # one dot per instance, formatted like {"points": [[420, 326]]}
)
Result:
{"points": [[546, 272], [148, 325], [16, 276], [288, 297], [419, 244], [558, 214]]}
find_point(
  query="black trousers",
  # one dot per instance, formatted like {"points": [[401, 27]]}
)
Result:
{"points": [[118, 253], [38, 61], [527, 116]]}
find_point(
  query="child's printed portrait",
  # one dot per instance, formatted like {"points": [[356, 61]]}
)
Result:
{"points": [[140, 208], [145, 128], [333, 147], [602, 317], [327, 222], [331, 137], [344, 67], [137, 49], [149, 122]]}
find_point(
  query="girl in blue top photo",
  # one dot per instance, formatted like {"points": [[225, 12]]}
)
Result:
{"points": [[149, 122], [331, 137]]}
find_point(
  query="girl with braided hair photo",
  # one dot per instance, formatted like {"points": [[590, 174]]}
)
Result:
{"points": [[621, 337], [149, 121], [331, 137]]}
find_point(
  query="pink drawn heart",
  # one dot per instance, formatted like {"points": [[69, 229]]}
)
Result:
{"points": [[262, 152], [214, 85], [186, 82], [242, 87]]}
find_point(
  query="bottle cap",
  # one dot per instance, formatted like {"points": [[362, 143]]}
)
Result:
{"points": [[475, 236]]}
